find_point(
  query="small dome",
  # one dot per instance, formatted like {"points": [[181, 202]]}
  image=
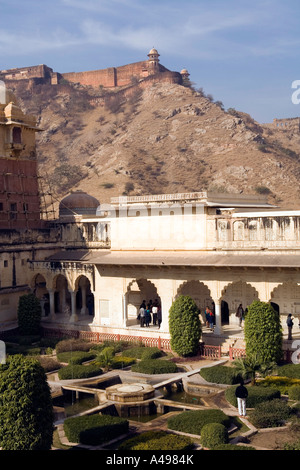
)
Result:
{"points": [[153, 52], [78, 203], [184, 71]]}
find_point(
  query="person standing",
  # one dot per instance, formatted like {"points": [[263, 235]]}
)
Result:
{"points": [[142, 314], [290, 325], [209, 318], [241, 394], [240, 314]]}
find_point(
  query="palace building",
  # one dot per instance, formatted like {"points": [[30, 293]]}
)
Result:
{"points": [[93, 266]]}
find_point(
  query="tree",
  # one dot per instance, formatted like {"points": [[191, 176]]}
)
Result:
{"points": [[263, 332], [26, 411], [185, 326], [249, 367], [29, 314]]}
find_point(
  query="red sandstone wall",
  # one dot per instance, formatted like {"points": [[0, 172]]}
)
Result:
{"points": [[19, 185]]}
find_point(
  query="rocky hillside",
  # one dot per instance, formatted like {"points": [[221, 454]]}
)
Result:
{"points": [[163, 139]]}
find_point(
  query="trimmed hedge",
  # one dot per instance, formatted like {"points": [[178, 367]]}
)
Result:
{"points": [[213, 434], [192, 422], [281, 383], [289, 370], [220, 375], [157, 440], [72, 345], [118, 362], [77, 371], [155, 366], [94, 429], [233, 447], [75, 357], [294, 392], [256, 395], [270, 414]]}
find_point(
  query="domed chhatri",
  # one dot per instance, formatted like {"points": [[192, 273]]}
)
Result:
{"points": [[78, 203]]}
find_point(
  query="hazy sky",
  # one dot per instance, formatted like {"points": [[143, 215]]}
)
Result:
{"points": [[245, 53]]}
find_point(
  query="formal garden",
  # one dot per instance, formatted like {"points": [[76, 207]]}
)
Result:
{"points": [[27, 420]]}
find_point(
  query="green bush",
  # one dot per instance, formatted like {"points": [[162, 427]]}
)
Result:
{"points": [[294, 392], [233, 447], [155, 366], [75, 357], [119, 362], [77, 371], [136, 352], [151, 353], [220, 375], [256, 395], [94, 429], [26, 411], [72, 344], [29, 315], [157, 440], [185, 326], [192, 422], [283, 384], [263, 332], [270, 414], [213, 434], [289, 370]]}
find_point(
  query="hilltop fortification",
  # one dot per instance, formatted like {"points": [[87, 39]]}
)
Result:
{"points": [[112, 77]]}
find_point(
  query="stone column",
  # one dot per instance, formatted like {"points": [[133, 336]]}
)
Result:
{"points": [[218, 330], [52, 304], [83, 300], [74, 316]]}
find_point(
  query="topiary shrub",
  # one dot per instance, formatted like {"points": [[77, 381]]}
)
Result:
{"points": [[94, 429], [157, 440], [270, 414], [155, 366], [213, 434], [263, 332], [77, 371], [192, 422], [151, 353], [29, 315], [26, 411], [185, 326], [220, 375], [256, 395]]}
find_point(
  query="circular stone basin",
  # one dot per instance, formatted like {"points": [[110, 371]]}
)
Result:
{"points": [[125, 393]]}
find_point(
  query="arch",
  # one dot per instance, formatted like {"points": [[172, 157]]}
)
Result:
{"points": [[236, 293], [287, 297], [62, 298], [200, 293], [84, 296], [39, 287], [139, 290]]}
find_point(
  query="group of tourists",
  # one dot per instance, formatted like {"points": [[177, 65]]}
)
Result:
{"points": [[150, 313]]}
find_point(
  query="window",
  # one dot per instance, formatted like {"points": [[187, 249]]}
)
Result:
{"points": [[13, 210], [5, 263], [1, 206], [17, 135], [25, 207]]}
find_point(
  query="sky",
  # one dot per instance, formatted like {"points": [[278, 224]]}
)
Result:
{"points": [[244, 53]]}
